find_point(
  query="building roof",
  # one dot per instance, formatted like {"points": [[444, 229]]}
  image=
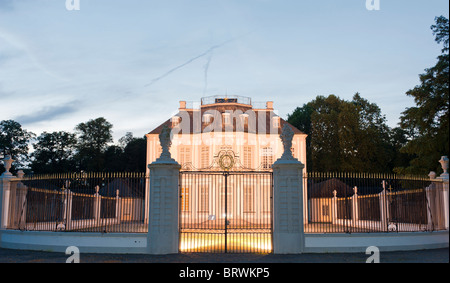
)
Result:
{"points": [[243, 116]]}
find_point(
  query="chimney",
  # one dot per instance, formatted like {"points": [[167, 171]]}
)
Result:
{"points": [[269, 105], [182, 105]]}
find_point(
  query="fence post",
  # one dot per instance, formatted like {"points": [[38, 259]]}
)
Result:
{"points": [[68, 196], [445, 180], [355, 212], [383, 208], [118, 216], [288, 229], [97, 205], [163, 224], [5, 191], [22, 196], [334, 212]]}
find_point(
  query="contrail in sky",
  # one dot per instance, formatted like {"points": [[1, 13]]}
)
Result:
{"points": [[209, 51], [206, 71], [188, 62]]}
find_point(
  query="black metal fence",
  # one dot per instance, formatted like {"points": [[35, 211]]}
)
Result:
{"points": [[361, 203], [334, 203], [82, 202]]}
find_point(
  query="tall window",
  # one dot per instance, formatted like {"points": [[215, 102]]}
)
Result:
{"points": [[204, 199], [204, 157], [249, 199], [184, 155], [184, 199], [247, 157], [267, 157]]}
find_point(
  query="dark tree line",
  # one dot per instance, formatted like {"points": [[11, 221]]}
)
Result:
{"points": [[89, 149]]}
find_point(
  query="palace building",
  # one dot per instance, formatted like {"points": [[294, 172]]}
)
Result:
{"points": [[249, 132]]}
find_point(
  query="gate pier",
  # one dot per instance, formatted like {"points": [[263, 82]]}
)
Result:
{"points": [[288, 229], [163, 234]]}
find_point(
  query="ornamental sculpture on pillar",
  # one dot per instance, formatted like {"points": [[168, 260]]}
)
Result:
{"points": [[286, 138], [444, 164], [7, 163], [166, 143]]}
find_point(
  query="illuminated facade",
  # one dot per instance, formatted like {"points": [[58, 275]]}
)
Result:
{"points": [[232, 124]]}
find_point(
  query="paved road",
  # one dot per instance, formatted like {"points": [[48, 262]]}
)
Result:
{"points": [[424, 256]]}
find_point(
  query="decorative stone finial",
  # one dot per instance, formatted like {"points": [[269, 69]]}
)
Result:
{"points": [[286, 136], [166, 142], [444, 164], [432, 175], [20, 174], [7, 164]]}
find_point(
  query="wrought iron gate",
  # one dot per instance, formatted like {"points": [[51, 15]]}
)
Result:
{"points": [[226, 212]]}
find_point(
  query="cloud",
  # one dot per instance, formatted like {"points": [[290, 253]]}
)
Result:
{"points": [[48, 113]]}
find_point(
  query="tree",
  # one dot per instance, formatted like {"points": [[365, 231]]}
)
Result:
{"points": [[14, 141], [325, 153], [123, 141], [301, 119], [374, 149], [114, 159], [93, 139], [54, 153], [135, 154], [344, 135], [427, 124]]}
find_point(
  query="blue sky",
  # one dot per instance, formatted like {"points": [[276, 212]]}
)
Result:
{"points": [[132, 61]]}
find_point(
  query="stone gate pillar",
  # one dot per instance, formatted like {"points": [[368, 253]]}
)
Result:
{"points": [[288, 230], [5, 190], [163, 233]]}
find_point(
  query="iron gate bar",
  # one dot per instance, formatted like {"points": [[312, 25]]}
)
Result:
{"points": [[226, 211]]}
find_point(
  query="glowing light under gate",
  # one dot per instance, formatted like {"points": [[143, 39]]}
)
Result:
{"points": [[197, 242]]}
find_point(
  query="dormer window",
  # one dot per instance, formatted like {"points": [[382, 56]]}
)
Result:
{"points": [[175, 121], [207, 118], [244, 119], [226, 118], [276, 122]]}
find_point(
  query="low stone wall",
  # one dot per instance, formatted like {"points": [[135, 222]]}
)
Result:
{"points": [[125, 243], [137, 243], [358, 243]]}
